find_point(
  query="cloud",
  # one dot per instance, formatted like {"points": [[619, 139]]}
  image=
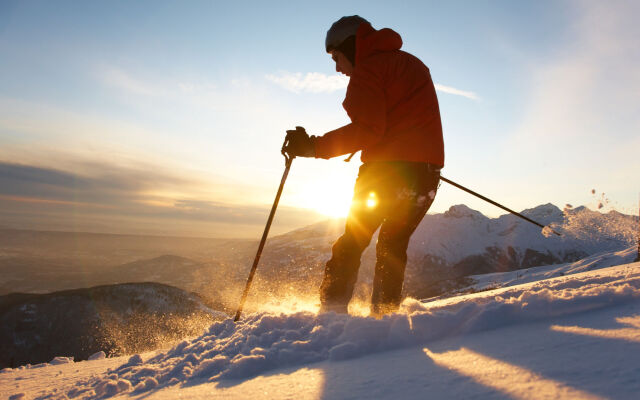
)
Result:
{"points": [[589, 93], [312, 82], [98, 184], [316, 82], [188, 103], [580, 121], [238, 214], [135, 199], [136, 88], [122, 80], [457, 92]]}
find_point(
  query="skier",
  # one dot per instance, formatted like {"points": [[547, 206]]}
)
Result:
{"points": [[395, 122]]}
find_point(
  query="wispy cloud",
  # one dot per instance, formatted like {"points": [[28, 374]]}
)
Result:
{"points": [[135, 199], [193, 101], [581, 115], [313, 82], [590, 93], [204, 93], [316, 82], [457, 92], [122, 80], [97, 184]]}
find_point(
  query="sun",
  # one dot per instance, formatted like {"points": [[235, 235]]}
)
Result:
{"points": [[332, 198], [334, 205], [325, 188]]}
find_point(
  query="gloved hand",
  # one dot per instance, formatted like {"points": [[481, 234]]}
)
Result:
{"points": [[299, 144]]}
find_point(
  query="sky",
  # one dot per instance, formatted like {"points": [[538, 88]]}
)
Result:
{"points": [[166, 117]]}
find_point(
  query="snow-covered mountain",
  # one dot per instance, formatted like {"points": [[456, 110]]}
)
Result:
{"points": [[450, 246], [116, 319], [461, 232]]}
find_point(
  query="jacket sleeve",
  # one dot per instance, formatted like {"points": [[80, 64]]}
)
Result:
{"points": [[366, 106]]}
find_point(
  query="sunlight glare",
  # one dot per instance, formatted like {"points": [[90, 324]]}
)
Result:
{"points": [[631, 333], [517, 382], [334, 202], [335, 207], [372, 201], [301, 384], [289, 305]]}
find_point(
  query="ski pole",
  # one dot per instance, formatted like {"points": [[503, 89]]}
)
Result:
{"points": [[288, 159], [496, 204]]}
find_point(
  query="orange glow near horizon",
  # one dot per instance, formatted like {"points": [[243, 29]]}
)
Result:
{"points": [[160, 198]]}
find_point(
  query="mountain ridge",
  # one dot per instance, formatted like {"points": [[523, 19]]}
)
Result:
{"points": [[449, 246]]}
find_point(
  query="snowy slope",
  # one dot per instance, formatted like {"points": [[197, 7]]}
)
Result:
{"points": [[445, 249], [512, 278], [572, 336], [461, 232]]}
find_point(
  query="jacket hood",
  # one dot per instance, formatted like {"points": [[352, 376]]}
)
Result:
{"points": [[370, 41]]}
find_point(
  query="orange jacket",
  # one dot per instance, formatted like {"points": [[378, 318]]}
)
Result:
{"points": [[392, 104]]}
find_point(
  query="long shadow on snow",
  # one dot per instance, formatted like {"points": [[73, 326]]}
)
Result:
{"points": [[597, 365]]}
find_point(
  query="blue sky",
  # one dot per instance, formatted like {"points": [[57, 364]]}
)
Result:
{"points": [[177, 110]]}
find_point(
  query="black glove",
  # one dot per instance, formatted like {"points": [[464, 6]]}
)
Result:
{"points": [[299, 144]]}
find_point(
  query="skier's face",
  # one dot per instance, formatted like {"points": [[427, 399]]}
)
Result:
{"points": [[343, 65]]}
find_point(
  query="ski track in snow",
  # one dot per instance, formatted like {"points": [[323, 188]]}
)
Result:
{"points": [[265, 341]]}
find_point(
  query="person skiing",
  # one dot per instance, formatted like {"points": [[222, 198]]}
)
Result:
{"points": [[395, 123]]}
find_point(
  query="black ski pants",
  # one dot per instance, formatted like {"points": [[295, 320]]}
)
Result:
{"points": [[394, 196]]}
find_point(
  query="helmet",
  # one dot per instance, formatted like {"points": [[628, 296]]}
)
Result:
{"points": [[342, 29]]}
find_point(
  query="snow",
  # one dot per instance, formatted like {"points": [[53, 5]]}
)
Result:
{"points": [[100, 355], [462, 231], [511, 278], [574, 335], [61, 360]]}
